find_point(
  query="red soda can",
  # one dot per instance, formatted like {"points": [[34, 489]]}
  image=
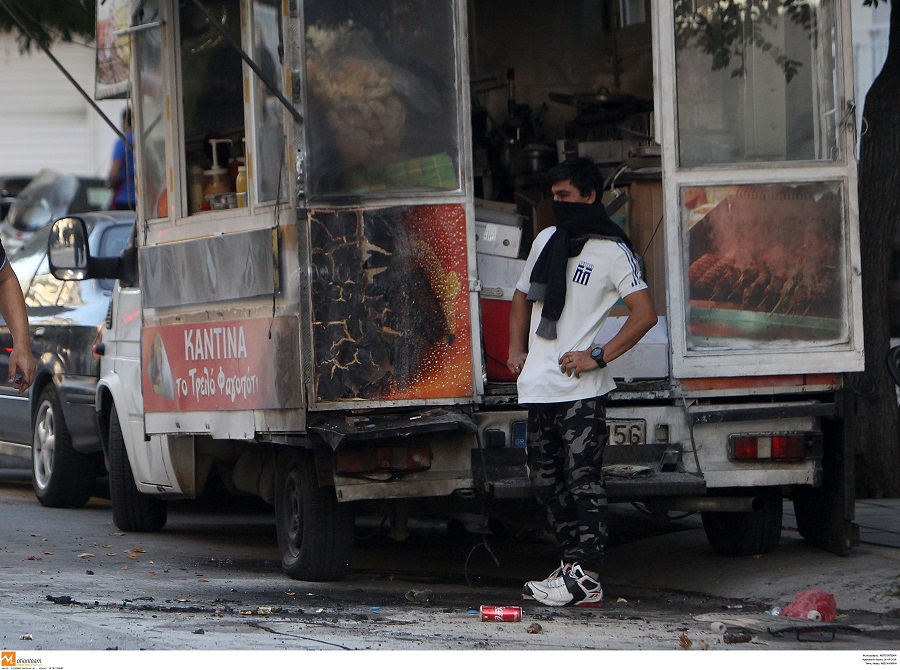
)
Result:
{"points": [[492, 613]]}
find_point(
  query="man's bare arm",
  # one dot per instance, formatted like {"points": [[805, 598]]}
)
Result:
{"points": [[641, 318], [519, 319], [12, 308]]}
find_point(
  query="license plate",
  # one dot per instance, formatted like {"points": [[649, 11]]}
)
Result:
{"points": [[520, 434], [627, 431]]}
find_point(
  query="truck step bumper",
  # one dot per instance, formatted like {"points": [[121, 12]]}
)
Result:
{"points": [[656, 485], [631, 473]]}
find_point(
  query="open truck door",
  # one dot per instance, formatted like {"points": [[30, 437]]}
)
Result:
{"points": [[761, 210]]}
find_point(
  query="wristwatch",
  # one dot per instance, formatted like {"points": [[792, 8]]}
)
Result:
{"points": [[597, 355]]}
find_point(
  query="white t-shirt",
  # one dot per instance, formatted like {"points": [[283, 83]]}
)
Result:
{"points": [[604, 272]]}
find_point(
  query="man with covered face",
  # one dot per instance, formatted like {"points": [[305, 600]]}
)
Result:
{"points": [[576, 272]]}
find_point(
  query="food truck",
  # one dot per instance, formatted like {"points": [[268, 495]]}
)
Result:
{"points": [[336, 199]]}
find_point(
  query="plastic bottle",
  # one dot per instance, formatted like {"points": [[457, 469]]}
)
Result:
{"points": [[237, 159], [241, 186], [195, 188]]}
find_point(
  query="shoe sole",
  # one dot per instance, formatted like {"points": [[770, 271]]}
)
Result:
{"points": [[596, 603]]}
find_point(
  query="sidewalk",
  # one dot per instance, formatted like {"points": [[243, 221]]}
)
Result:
{"points": [[867, 579], [878, 520]]}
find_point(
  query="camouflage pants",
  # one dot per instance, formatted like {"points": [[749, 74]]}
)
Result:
{"points": [[565, 456]]}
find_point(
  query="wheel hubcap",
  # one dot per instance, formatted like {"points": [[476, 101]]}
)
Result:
{"points": [[44, 445]]}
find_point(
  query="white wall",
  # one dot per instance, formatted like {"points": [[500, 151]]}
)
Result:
{"points": [[871, 27], [44, 120]]}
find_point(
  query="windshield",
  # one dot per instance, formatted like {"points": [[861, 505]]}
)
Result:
{"points": [[46, 198]]}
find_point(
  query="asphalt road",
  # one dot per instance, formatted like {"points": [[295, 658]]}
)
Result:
{"points": [[69, 580]]}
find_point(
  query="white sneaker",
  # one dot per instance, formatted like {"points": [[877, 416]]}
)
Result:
{"points": [[572, 588], [543, 585]]}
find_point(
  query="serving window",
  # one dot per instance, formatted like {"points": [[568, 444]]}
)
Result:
{"points": [[765, 266], [229, 162], [212, 102], [756, 81], [382, 98]]}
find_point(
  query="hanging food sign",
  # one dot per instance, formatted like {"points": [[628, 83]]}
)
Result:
{"points": [[113, 49]]}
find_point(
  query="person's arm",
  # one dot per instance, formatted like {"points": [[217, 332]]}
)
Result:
{"points": [[641, 318], [113, 179], [12, 308], [519, 319]]}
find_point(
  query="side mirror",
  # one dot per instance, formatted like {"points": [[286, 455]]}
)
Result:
{"points": [[70, 257], [68, 249]]}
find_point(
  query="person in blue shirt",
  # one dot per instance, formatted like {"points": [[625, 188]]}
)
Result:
{"points": [[121, 170]]}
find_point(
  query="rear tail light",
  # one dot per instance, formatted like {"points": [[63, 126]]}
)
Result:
{"points": [[389, 459], [777, 447]]}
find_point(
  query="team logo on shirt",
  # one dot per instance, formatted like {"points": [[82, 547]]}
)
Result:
{"points": [[583, 273]]}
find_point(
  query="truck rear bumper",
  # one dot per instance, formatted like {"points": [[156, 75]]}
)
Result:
{"points": [[630, 473]]}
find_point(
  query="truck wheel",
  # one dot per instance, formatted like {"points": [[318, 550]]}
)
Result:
{"points": [[132, 510], [747, 533], [315, 532], [60, 476]]}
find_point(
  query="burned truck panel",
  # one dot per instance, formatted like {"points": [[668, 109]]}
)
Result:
{"points": [[390, 305]]}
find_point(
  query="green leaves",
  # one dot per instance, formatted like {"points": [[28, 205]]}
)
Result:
{"points": [[48, 20], [728, 29]]}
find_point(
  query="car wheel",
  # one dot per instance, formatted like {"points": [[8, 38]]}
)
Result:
{"points": [[60, 476], [315, 532], [132, 510]]}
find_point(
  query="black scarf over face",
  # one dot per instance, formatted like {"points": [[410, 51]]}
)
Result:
{"points": [[576, 222]]}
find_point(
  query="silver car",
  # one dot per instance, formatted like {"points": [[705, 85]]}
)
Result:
{"points": [[50, 196]]}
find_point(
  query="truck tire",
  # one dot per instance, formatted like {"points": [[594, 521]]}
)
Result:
{"points": [[747, 533], [133, 511], [60, 476], [315, 532]]}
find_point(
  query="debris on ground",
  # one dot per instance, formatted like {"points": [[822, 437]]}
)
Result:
{"points": [[60, 600], [813, 604], [417, 596], [534, 629]]}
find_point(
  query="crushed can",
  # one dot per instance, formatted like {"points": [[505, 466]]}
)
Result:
{"points": [[494, 613]]}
